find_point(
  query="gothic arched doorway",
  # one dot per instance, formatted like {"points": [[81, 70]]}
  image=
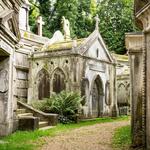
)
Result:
{"points": [[43, 85], [58, 81], [97, 97]]}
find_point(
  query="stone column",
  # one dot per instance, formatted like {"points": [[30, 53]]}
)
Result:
{"points": [[6, 96], [144, 17], [134, 44], [147, 105], [113, 90]]}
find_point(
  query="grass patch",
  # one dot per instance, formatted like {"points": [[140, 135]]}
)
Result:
{"points": [[28, 140], [122, 138]]}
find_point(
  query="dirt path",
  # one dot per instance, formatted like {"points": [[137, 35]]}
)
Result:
{"points": [[95, 137]]}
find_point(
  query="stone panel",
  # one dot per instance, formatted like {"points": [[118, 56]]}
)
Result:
{"points": [[21, 59], [21, 84], [22, 93], [22, 75]]}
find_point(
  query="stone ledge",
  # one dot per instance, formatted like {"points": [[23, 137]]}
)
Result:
{"points": [[51, 118], [28, 123]]}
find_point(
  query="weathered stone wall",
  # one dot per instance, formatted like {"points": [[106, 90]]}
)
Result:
{"points": [[101, 69], [4, 87], [21, 75], [70, 66], [80, 73], [136, 77], [29, 42], [134, 43], [123, 94], [10, 63], [123, 83]]}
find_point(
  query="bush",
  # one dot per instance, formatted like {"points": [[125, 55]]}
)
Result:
{"points": [[66, 104], [40, 105]]}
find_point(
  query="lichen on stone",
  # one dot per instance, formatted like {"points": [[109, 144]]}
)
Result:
{"points": [[64, 45]]}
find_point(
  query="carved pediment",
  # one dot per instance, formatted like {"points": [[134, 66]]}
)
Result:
{"points": [[8, 21], [95, 47]]}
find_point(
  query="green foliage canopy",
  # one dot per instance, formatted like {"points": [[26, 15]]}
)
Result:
{"points": [[116, 18]]}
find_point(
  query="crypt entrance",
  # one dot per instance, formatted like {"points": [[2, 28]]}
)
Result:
{"points": [[4, 83], [97, 97]]}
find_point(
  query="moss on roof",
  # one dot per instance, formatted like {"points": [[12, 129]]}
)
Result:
{"points": [[121, 57], [64, 45]]}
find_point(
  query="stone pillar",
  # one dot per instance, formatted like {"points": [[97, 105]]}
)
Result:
{"points": [[136, 96], [6, 96], [144, 17], [134, 44], [147, 67], [113, 91]]}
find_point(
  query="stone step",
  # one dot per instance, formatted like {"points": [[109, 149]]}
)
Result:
{"points": [[47, 127], [25, 114], [20, 111], [43, 124]]}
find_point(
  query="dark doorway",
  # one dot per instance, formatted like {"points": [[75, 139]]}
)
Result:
{"points": [[44, 84], [97, 97], [4, 83], [58, 81]]}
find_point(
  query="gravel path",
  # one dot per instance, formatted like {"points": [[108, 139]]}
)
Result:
{"points": [[95, 137]]}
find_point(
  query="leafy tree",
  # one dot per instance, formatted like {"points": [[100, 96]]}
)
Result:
{"points": [[33, 14], [52, 12], [68, 9], [93, 7], [84, 21], [116, 19]]}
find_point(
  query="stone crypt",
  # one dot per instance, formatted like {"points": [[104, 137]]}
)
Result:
{"points": [[139, 53], [82, 65], [32, 67]]}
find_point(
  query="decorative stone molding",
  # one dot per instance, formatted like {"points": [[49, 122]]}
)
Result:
{"points": [[134, 42]]}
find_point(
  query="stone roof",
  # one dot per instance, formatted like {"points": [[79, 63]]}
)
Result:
{"points": [[123, 58], [65, 45]]}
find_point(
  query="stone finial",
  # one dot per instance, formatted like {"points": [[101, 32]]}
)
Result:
{"points": [[40, 24], [66, 27], [24, 16], [97, 22]]}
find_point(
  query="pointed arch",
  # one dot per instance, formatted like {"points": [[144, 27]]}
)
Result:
{"points": [[121, 94], [107, 93], [97, 96], [58, 80], [43, 84]]}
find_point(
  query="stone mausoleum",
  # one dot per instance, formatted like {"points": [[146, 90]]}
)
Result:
{"points": [[123, 84], [33, 67], [139, 53]]}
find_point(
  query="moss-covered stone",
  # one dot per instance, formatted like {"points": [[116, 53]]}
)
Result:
{"points": [[64, 45]]}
